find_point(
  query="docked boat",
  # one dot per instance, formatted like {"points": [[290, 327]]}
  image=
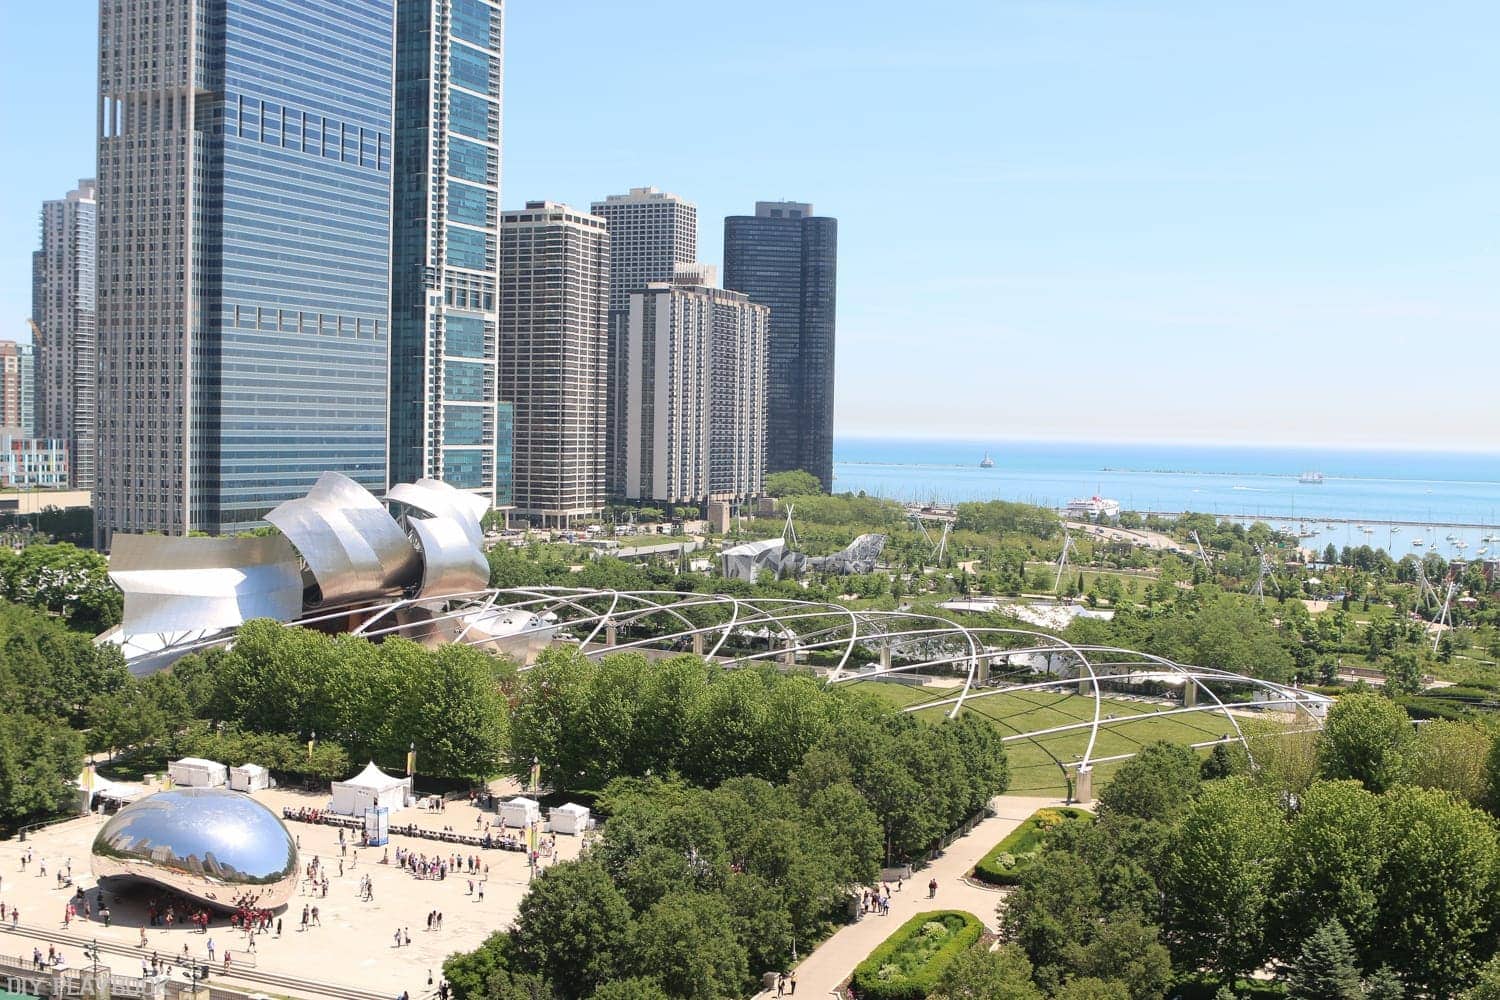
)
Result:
{"points": [[1417, 542]]}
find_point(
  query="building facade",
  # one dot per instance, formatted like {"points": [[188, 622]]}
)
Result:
{"points": [[244, 199], [786, 258], [445, 253], [63, 327], [17, 389], [694, 395], [33, 463], [651, 234], [554, 308]]}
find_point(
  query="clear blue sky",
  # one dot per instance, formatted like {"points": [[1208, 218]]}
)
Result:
{"points": [[1274, 221]]}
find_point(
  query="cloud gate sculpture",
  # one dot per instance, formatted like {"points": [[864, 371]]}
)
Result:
{"points": [[210, 844]]}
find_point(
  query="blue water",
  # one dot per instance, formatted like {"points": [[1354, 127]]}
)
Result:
{"points": [[1370, 487]]}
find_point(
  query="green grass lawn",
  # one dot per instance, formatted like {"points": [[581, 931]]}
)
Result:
{"points": [[1036, 764]]}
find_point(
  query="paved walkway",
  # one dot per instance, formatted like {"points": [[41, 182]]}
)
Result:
{"points": [[834, 960]]}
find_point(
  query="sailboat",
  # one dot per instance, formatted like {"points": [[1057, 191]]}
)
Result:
{"points": [[986, 462]]}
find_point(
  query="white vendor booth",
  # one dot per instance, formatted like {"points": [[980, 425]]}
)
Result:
{"points": [[519, 812], [195, 772], [370, 789], [249, 778], [569, 817]]}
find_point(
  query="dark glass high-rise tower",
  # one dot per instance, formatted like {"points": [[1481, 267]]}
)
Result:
{"points": [[445, 423], [244, 201], [785, 257]]}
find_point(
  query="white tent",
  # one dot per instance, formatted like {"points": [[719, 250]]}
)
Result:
{"points": [[371, 788], [520, 812], [570, 817], [249, 778], [195, 772]]}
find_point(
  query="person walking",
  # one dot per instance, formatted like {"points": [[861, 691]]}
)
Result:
{"points": [[210, 949], [781, 984], [792, 983], [398, 937]]}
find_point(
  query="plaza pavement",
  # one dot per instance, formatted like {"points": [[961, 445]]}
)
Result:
{"points": [[354, 947], [834, 960]]}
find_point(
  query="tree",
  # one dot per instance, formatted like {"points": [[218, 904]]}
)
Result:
{"points": [[1129, 952], [1092, 989], [1451, 756], [1365, 738], [1487, 987], [1439, 897], [39, 761], [631, 988], [573, 927], [982, 974], [468, 972], [1218, 881], [1324, 969], [1492, 779], [792, 483], [462, 722], [687, 943], [1404, 675], [1383, 984], [1157, 784], [1329, 868]]}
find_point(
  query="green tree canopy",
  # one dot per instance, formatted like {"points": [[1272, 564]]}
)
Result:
{"points": [[1324, 969], [1365, 739], [573, 928], [792, 483]]}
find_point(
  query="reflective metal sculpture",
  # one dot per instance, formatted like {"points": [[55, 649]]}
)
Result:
{"points": [[352, 546], [451, 562], [204, 584], [213, 845], [438, 499]]}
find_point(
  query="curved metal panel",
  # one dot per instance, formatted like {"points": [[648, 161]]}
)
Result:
{"points": [[203, 584], [353, 547], [211, 844], [437, 498], [452, 562]]}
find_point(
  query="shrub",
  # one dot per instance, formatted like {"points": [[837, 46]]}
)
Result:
{"points": [[1008, 860], [908, 964]]}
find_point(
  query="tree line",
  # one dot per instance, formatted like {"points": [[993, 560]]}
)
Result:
{"points": [[1329, 864]]}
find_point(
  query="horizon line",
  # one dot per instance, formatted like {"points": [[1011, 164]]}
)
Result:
{"points": [[965, 438]]}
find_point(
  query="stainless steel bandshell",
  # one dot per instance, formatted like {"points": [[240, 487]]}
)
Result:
{"points": [[355, 550], [203, 584]]}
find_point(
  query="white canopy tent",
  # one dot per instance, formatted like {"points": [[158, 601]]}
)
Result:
{"points": [[570, 817], [520, 812], [249, 778], [370, 789], [195, 772]]}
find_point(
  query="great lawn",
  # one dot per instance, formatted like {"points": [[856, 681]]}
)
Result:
{"points": [[1036, 765]]}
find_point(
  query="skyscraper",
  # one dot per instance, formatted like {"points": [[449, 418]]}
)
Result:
{"points": [[17, 389], [62, 316], [785, 257], [694, 393], [651, 232], [445, 251], [244, 256], [554, 305]]}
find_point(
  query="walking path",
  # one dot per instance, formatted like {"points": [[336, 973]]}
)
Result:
{"points": [[834, 960]]}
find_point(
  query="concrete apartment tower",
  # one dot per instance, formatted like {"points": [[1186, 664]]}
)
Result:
{"points": [[651, 233], [446, 421], [17, 389], [785, 257], [63, 328], [554, 309], [245, 163], [694, 392]]}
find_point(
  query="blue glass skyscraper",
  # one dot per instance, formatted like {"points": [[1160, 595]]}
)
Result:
{"points": [[245, 157], [445, 423]]}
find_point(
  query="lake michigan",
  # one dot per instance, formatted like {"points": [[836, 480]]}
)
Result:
{"points": [[1371, 488]]}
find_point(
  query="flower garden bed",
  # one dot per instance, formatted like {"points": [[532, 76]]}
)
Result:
{"points": [[908, 964], [1010, 858]]}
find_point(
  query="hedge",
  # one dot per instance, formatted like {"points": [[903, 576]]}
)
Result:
{"points": [[916, 985], [1009, 859]]}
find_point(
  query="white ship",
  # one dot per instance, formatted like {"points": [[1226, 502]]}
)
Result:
{"points": [[1311, 478], [986, 462], [1093, 508]]}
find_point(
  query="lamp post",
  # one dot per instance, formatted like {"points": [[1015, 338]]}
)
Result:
{"points": [[411, 759]]}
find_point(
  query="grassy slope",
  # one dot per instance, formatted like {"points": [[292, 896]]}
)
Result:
{"points": [[1034, 764]]}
